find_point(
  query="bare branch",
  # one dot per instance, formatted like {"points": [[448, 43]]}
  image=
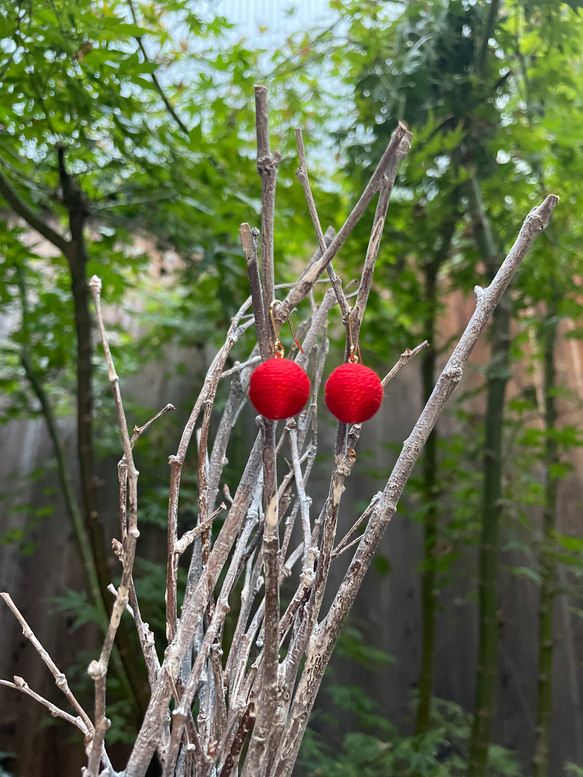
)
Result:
{"points": [[255, 761], [403, 359], [98, 669], [167, 104], [319, 323], [113, 590], [303, 178], [189, 536], [139, 430], [306, 282], [243, 729], [146, 637], [60, 679], [302, 497], [374, 243], [267, 163], [345, 543], [265, 334], [20, 684], [22, 210], [253, 361]]}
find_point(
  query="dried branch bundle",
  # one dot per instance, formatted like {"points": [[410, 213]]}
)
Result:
{"points": [[212, 701]]}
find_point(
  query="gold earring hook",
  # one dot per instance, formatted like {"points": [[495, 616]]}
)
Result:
{"points": [[279, 350], [352, 358], [296, 341]]}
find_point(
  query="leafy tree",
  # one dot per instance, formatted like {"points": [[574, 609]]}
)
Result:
{"points": [[105, 142]]}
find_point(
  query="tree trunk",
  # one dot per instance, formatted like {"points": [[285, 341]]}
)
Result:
{"points": [[497, 378], [77, 258], [429, 479], [540, 762]]}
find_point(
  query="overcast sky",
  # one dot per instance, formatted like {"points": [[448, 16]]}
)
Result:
{"points": [[281, 17]]}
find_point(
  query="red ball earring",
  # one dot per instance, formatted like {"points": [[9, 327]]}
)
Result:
{"points": [[279, 388], [353, 392]]}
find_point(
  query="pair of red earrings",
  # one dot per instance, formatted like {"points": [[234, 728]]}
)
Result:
{"points": [[279, 388]]}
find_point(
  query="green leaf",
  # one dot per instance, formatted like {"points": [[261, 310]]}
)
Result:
{"points": [[528, 573], [382, 565]]}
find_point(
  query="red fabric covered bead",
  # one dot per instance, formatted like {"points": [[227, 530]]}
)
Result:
{"points": [[353, 393], [279, 388]]}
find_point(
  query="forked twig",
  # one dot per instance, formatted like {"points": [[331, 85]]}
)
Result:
{"points": [[189, 536], [20, 684], [97, 670], [139, 430], [403, 359], [60, 679]]}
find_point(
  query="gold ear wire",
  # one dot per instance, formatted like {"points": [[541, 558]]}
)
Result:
{"points": [[279, 350], [352, 358], [297, 342]]}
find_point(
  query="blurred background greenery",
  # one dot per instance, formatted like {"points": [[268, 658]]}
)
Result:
{"points": [[127, 130]]}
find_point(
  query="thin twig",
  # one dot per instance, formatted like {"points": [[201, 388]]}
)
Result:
{"points": [[146, 637], [98, 669], [189, 536], [374, 242], [243, 729], [403, 359], [235, 403], [304, 500], [60, 679], [250, 588], [139, 430], [113, 590], [20, 684], [265, 334], [267, 163], [400, 136], [303, 178], [203, 463], [168, 105], [342, 546], [240, 366]]}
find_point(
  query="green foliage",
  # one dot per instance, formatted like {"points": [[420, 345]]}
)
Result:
{"points": [[379, 748], [352, 645], [573, 770], [76, 606], [440, 752], [21, 507], [180, 179]]}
